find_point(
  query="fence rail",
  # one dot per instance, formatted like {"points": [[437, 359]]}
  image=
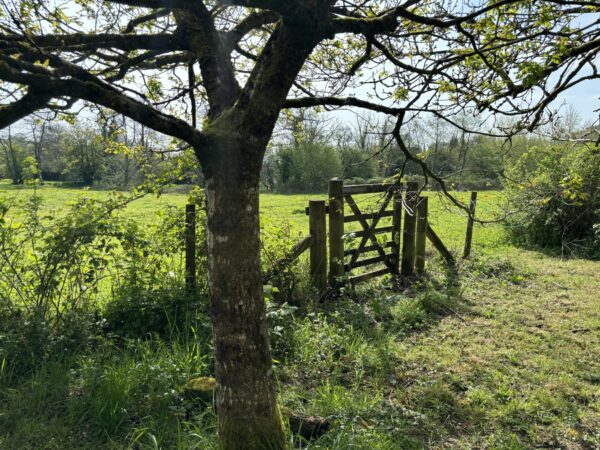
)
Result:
{"points": [[331, 263]]}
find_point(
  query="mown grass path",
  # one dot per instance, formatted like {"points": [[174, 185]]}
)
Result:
{"points": [[517, 365]]}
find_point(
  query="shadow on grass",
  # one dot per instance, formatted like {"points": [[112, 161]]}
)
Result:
{"points": [[347, 360]]}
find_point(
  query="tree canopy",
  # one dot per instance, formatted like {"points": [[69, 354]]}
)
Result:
{"points": [[139, 57]]}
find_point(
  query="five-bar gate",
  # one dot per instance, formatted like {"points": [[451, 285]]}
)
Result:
{"points": [[390, 238]]}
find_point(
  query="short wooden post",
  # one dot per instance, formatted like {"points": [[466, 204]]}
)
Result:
{"points": [[190, 247], [336, 230], [470, 222], [397, 227], [408, 237], [421, 237], [318, 244]]}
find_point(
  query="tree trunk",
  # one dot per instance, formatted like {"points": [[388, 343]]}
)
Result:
{"points": [[38, 161], [248, 414]]}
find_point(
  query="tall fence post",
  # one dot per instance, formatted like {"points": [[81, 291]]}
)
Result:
{"points": [[410, 219], [318, 244], [397, 227], [421, 238], [336, 230], [190, 247], [469, 236]]}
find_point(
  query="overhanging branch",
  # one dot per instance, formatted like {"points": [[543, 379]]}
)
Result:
{"points": [[26, 105], [84, 86]]}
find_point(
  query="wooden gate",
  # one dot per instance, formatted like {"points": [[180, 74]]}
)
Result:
{"points": [[370, 250], [402, 252], [402, 249]]}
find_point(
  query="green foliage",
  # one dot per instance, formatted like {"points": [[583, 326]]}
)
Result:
{"points": [[12, 154], [558, 201], [58, 262], [308, 167], [498, 268], [280, 270], [129, 397], [167, 313], [61, 273], [144, 380], [86, 156], [356, 164]]}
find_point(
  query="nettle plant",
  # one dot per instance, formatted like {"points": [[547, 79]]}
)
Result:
{"points": [[215, 75]]}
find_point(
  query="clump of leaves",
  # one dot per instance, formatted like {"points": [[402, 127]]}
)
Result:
{"points": [[558, 207], [496, 267]]}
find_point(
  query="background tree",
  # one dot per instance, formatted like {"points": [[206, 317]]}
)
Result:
{"points": [[85, 154], [309, 166], [358, 149], [13, 155], [255, 58], [38, 126]]}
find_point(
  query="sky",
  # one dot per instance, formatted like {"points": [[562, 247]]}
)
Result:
{"points": [[585, 98]]}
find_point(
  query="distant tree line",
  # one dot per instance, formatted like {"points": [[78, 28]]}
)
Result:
{"points": [[107, 150], [307, 151], [312, 151]]}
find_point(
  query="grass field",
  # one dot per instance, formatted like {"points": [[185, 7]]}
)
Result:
{"points": [[505, 354], [446, 219]]}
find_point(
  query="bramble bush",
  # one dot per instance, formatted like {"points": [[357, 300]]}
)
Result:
{"points": [[557, 199], [70, 278], [67, 278]]}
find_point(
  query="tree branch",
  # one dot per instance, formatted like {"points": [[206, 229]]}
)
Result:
{"points": [[84, 41], [28, 104], [143, 19], [85, 86], [214, 58], [251, 22], [289, 8]]}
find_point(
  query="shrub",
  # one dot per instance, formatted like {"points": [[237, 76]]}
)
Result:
{"points": [[59, 273], [141, 313], [557, 199], [308, 167]]}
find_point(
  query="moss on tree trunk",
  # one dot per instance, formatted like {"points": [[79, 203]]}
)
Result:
{"points": [[249, 417]]}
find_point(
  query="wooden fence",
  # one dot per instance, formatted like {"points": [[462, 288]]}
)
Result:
{"points": [[398, 248]]}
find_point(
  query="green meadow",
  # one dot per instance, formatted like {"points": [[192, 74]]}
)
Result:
{"points": [[289, 209], [501, 353]]}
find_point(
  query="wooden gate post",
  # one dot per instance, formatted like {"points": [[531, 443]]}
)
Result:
{"points": [[421, 238], [410, 219], [397, 227], [318, 244], [469, 236], [336, 230], [190, 247]]}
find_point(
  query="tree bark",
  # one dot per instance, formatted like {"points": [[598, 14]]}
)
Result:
{"points": [[248, 415]]}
